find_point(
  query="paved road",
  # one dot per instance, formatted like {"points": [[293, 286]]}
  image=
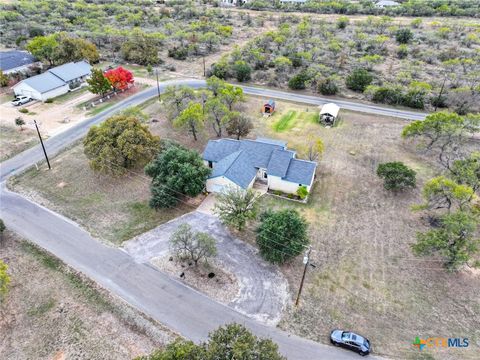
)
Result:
{"points": [[56, 143], [180, 308], [263, 290]]}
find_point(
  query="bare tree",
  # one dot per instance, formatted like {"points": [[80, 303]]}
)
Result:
{"points": [[195, 246]]}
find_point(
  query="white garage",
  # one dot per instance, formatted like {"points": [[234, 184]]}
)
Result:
{"points": [[41, 87]]}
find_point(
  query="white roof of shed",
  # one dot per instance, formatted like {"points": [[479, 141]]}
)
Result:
{"points": [[330, 108]]}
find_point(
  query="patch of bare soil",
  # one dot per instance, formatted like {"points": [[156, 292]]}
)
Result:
{"points": [[209, 278], [52, 312]]}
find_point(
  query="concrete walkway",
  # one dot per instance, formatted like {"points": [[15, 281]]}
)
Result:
{"points": [[207, 204], [263, 290]]}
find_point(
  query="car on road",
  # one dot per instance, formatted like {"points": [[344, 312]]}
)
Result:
{"points": [[20, 100], [351, 341]]}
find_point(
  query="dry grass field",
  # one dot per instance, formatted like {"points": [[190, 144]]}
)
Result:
{"points": [[53, 313], [14, 141]]}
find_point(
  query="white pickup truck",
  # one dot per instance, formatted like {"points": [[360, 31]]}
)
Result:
{"points": [[20, 100]]}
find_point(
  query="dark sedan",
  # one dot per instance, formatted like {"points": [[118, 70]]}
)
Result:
{"points": [[351, 341]]}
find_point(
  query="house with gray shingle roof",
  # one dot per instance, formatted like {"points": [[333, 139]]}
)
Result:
{"points": [[54, 82], [240, 163], [13, 61]]}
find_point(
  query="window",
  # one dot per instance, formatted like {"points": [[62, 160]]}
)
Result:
{"points": [[264, 175], [210, 164]]}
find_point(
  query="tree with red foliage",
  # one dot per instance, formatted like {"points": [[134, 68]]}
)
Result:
{"points": [[120, 78]]}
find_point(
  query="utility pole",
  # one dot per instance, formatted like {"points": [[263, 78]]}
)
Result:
{"points": [[158, 86], [306, 261], [43, 146], [204, 71]]}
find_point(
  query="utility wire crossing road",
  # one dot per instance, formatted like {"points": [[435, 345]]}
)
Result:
{"points": [[166, 300]]}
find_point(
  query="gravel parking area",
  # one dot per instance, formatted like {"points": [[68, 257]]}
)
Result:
{"points": [[263, 290]]}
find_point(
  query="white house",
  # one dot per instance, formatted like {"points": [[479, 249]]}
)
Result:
{"points": [[240, 163], [54, 82], [41, 87], [386, 3], [329, 113], [14, 61]]}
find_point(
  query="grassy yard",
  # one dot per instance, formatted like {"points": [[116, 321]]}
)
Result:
{"points": [[14, 141], [113, 209], [70, 95], [51, 312]]}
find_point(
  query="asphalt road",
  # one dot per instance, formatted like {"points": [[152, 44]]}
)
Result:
{"points": [[180, 308], [56, 143]]}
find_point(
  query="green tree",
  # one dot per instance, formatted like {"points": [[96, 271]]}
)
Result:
{"points": [[443, 132], [396, 176], [239, 124], [44, 48], [404, 35], [327, 86], [20, 122], [176, 99], [298, 81], [141, 49], [312, 148], [236, 206], [4, 280], [467, 171], [282, 235], [217, 114], [98, 83], [118, 144], [195, 246], [231, 95], [75, 49], [3, 79], [242, 70], [178, 350], [359, 79], [443, 193], [454, 240], [234, 341], [191, 118], [230, 342], [175, 171]]}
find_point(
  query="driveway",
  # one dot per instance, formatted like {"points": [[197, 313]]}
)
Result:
{"points": [[263, 290]]}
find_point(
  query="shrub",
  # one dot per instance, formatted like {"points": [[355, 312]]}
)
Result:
{"points": [[327, 86], [385, 94], [402, 51], [282, 235], [414, 98], [342, 22], [242, 70], [23, 110], [178, 53], [302, 192], [404, 35], [396, 176], [297, 82], [359, 79], [49, 101]]}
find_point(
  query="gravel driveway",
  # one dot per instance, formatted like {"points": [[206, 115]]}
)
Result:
{"points": [[263, 290]]}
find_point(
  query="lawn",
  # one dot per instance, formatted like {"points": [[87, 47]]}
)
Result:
{"points": [[51, 312], [113, 209], [70, 95]]}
